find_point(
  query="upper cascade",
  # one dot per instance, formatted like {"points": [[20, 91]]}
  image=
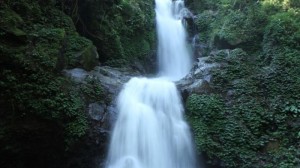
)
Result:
{"points": [[174, 58]]}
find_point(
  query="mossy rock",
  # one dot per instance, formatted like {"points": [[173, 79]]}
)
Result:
{"points": [[232, 24], [11, 22], [59, 19], [81, 52], [122, 30], [54, 35], [89, 57]]}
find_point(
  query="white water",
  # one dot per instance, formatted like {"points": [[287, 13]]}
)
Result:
{"points": [[150, 131], [173, 55]]}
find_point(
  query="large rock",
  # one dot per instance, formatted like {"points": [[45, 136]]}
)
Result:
{"points": [[199, 47], [77, 74], [110, 79], [97, 111], [101, 114], [80, 52], [198, 80]]}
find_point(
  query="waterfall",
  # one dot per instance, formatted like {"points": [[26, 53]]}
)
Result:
{"points": [[150, 131], [173, 56]]}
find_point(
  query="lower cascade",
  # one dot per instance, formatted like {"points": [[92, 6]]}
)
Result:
{"points": [[150, 131]]}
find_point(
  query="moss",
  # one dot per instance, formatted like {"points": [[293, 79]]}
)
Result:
{"points": [[232, 24], [11, 22], [90, 57], [282, 31], [93, 92], [197, 6], [257, 84], [234, 21], [59, 19], [204, 19], [117, 32], [135, 47], [37, 102], [235, 133], [80, 52]]}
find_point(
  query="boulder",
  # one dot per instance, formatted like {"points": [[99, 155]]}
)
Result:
{"points": [[80, 52], [101, 114], [97, 111], [111, 80], [77, 74], [198, 80]]}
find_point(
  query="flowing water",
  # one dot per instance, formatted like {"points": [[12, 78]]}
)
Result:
{"points": [[150, 131], [173, 56]]}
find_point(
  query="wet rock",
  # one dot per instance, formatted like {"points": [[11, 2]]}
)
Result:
{"points": [[198, 80], [112, 110], [204, 67], [198, 46], [77, 74], [146, 66], [101, 115], [97, 111], [230, 94], [111, 80]]}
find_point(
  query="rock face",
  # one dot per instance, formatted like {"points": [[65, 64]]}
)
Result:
{"points": [[198, 80], [121, 30], [97, 111], [101, 114], [111, 80]]}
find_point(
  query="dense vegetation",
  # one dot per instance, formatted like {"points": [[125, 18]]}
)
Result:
{"points": [[122, 30], [252, 116], [42, 113]]}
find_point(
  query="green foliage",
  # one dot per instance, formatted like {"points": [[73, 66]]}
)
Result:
{"points": [[279, 5], [11, 22], [80, 51], [203, 20], [93, 92], [232, 24], [256, 85], [198, 6], [206, 106], [51, 34], [235, 20], [228, 131], [203, 23], [122, 31], [41, 111], [236, 64], [282, 31], [261, 106], [235, 133], [202, 109]]}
